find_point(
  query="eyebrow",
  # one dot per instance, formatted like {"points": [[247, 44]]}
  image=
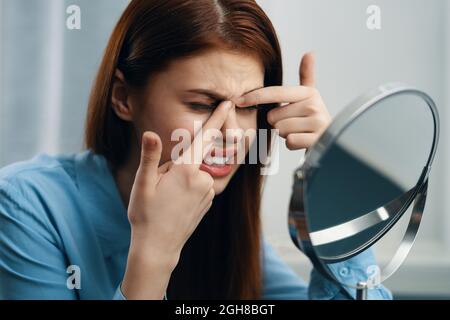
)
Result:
{"points": [[216, 95]]}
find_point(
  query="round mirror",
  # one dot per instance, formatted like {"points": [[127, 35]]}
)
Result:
{"points": [[368, 172]]}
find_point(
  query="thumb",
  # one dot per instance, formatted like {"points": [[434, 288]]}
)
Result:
{"points": [[150, 156], [307, 72]]}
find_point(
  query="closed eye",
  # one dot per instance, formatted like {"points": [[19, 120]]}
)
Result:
{"points": [[255, 107], [210, 107], [200, 106]]}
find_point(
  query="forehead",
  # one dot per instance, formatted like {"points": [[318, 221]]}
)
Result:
{"points": [[226, 72]]}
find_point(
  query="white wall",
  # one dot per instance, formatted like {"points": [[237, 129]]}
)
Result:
{"points": [[351, 59], [49, 71]]}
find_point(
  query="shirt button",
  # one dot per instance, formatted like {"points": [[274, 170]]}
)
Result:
{"points": [[344, 272]]}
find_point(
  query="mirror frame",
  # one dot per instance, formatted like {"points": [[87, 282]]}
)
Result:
{"points": [[298, 217]]}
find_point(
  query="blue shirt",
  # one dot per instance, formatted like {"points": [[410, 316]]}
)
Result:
{"points": [[64, 234]]}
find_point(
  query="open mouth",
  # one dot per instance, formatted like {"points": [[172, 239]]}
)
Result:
{"points": [[219, 162], [220, 157]]}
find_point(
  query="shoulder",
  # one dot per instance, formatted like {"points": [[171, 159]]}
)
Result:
{"points": [[28, 189], [46, 183], [43, 193], [43, 172]]}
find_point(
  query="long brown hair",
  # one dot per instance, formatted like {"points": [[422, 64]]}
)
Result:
{"points": [[222, 259]]}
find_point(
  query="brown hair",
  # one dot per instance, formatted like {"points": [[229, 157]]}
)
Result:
{"points": [[222, 259]]}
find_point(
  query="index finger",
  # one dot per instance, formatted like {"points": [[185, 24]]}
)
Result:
{"points": [[274, 94], [203, 141]]}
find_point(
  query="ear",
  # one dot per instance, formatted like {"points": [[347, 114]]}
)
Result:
{"points": [[120, 97]]}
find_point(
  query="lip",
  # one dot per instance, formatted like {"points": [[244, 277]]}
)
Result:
{"points": [[217, 171]]}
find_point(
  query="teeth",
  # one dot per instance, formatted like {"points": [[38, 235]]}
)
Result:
{"points": [[220, 161]]}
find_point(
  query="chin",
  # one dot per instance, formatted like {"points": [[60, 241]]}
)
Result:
{"points": [[220, 185]]}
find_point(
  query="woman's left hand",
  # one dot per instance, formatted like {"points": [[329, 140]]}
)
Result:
{"points": [[304, 117]]}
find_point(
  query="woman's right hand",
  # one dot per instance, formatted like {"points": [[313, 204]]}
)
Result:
{"points": [[166, 205]]}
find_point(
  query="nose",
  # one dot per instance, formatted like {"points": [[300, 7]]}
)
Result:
{"points": [[231, 131]]}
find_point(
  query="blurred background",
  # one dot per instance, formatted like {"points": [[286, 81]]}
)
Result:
{"points": [[46, 71]]}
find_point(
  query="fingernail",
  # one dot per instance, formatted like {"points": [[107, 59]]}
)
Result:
{"points": [[149, 142], [145, 142]]}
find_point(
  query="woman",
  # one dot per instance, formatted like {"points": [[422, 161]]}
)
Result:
{"points": [[126, 218]]}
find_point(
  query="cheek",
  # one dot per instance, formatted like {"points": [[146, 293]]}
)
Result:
{"points": [[165, 124], [182, 130]]}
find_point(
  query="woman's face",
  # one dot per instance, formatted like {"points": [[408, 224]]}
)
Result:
{"points": [[188, 91]]}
